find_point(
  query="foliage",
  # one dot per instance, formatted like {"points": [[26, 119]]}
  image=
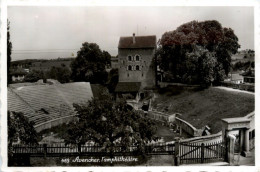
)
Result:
{"points": [[62, 74], [9, 52], [107, 58], [89, 64], [34, 76], [109, 123], [243, 65], [19, 129], [183, 51], [112, 80]]}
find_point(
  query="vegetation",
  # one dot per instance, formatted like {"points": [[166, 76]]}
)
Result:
{"points": [[62, 74], [112, 80], [19, 129], [109, 123], [34, 76], [197, 52], [243, 65], [90, 64], [204, 107], [9, 52]]}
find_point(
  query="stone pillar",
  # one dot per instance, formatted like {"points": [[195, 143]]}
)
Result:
{"points": [[247, 140], [241, 140], [180, 131], [246, 151], [231, 148]]}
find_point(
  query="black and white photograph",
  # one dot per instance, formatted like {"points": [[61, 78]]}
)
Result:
{"points": [[130, 86]]}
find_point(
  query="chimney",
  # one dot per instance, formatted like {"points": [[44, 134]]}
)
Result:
{"points": [[133, 38]]}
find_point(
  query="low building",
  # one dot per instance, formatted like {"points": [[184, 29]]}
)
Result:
{"points": [[18, 74], [236, 78]]}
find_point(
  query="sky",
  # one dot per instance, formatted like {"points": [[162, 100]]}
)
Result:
{"points": [[50, 32]]}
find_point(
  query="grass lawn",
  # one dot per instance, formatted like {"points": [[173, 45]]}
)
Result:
{"points": [[204, 107]]}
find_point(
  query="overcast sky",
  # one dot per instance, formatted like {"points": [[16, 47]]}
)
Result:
{"points": [[52, 32]]}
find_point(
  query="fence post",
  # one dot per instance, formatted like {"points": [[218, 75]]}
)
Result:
{"points": [[79, 148], [226, 149], [176, 153], [202, 153], [45, 150]]}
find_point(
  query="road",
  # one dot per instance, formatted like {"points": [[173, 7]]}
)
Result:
{"points": [[234, 90]]}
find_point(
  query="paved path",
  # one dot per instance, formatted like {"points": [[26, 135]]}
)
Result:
{"points": [[234, 90]]}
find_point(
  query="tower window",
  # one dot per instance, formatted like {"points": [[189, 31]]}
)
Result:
{"points": [[137, 67], [137, 58], [129, 67], [129, 58]]}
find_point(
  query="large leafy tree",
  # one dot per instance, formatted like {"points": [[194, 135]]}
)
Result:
{"points": [[109, 123], [184, 51], [90, 64], [62, 74], [9, 52], [34, 76]]}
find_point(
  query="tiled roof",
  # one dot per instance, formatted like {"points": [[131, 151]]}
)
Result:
{"points": [[140, 42], [125, 87], [42, 103], [236, 77]]}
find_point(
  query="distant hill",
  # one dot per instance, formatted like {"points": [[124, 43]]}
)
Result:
{"points": [[41, 64], [243, 56]]}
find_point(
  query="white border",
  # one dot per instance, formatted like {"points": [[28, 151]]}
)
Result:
{"points": [[3, 78]]}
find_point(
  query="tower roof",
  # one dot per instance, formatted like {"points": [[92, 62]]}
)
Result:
{"points": [[137, 42]]}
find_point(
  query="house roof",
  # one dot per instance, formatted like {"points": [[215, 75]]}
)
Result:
{"points": [[126, 87], [42, 103], [140, 42], [236, 77]]}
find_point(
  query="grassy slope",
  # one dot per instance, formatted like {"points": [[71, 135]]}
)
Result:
{"points": [[205, 107]]}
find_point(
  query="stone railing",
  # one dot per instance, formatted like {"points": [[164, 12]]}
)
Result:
{"points": [[187, 127], [208, 138], [54, 122], [159, 116]]}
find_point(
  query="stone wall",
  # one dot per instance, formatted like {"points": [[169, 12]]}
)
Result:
{"points": [[188, 128], [146, 72]]}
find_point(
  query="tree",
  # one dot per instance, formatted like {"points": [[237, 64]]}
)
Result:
{"points": [[112, 80], [9, 52], [180, 50], [107, 58], [109, 123], [89, 64], [34, 76], [19, 129], [62, 74]]}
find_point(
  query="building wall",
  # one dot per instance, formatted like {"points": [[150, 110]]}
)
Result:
{"points": [[114, 63], [146, 72], [18, 78]]}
